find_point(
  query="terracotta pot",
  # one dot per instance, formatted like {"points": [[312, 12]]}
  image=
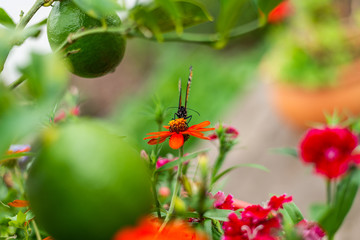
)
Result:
{"points": [[301, 107]]}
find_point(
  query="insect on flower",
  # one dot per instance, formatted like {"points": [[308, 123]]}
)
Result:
{"points": [[178, 129]]}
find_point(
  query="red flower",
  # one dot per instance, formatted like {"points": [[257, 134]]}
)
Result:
{"points": [[280, 12], [277, 202], [256, 222], [330, 150], [179, 133], [251, 228], [148, 229]]}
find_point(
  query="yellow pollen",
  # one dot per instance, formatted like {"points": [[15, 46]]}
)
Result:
{"points": [[178, 125]]}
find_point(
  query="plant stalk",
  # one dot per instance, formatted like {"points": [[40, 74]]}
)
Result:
{"points": [[17, 82], [328, 191], [26, 19], [36, 229], [156, 199], [176, 190]]}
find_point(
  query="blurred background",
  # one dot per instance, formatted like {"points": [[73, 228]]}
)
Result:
{"points": [[270, 84]]}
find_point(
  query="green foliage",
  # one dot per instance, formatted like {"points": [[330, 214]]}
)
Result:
{"points": [[228, 18], [331, 217], [310, 50], [5, 19], [98, 9], [168, 15], [230, 169]]}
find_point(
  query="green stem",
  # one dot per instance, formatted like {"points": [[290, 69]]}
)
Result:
{"points": [[328, 191], [16, 83], [176, 190], [25, 19], [157, 203], [36, 229], [218, 163], [169, 37]]}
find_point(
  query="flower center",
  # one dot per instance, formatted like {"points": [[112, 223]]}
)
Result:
{"points": [[178, 125], [331, 153]]}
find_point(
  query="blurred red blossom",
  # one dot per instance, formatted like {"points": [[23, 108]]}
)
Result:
{"points": [[148, 229], [230, 132], [310, 230], [280, 12], [227, 202], [222, 202], [331, 150]]}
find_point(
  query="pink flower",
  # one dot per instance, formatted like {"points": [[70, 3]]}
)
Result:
{"points": [[222, 202], [162, 161], [164, 192], [75, 111], [330, 150], [310, 230]]}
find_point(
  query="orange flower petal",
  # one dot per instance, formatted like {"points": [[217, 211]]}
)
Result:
{"points": [[200, 125], [176, 141], [48, 238], [203, 129], [156, 141], [197, 134], [158, 133], [159, 136], [19, 203], [167, 127]]}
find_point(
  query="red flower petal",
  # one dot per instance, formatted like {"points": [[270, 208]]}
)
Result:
{"points": [[19, 203], [176, 141], [277, 202]]}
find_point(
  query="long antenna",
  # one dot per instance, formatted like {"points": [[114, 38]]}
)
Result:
{"points": [[188, 86], [179, 93]]}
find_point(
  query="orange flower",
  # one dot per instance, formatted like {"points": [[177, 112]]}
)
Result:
{"points": [[148, 229], [19, 203], [179, 132]]}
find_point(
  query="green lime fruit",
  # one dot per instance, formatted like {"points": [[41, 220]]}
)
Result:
{"points": [[92, 55], [87, 183]]}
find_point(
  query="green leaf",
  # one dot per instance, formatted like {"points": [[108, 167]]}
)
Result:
{"points": [[218, 214], [5, 46], [18, 221], [228, 18], [47, 77], [251, 165], [169, 15], [293, 212], [5, 19], [334, 216], [267, 5], [180, 160], [98, 9], [286, 151]]}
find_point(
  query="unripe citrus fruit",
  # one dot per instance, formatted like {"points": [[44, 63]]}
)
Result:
{"points": [[87, 183], [92, 55]]}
